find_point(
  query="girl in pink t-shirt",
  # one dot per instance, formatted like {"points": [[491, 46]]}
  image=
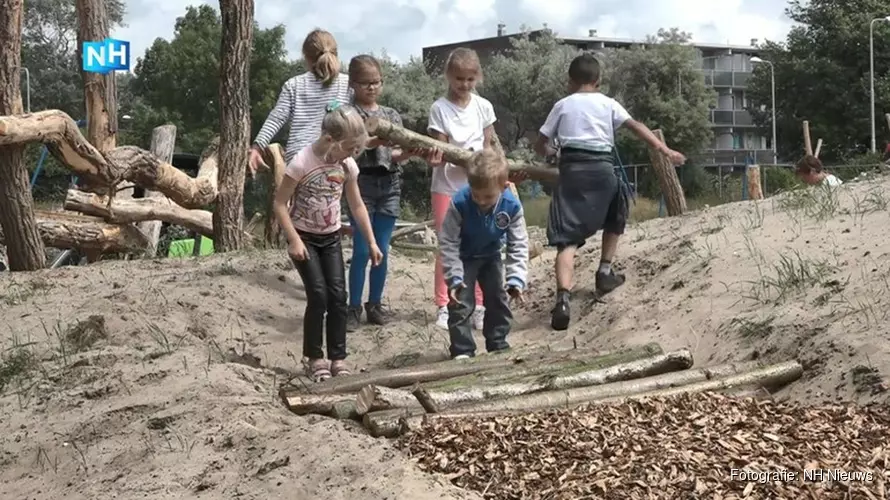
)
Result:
{"points": [[314, 181]]}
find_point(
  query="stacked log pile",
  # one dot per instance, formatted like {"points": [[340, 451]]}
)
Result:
{"points": [[394, 402]]}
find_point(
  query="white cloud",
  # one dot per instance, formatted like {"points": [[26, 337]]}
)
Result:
{"points": [[404, 27]]}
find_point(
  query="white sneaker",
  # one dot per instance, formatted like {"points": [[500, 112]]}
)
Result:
{"points": [[442, 318], [462, 356], [478, 317]]}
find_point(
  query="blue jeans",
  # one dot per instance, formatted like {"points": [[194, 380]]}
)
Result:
{"points": [[489, 273], [383, 226]]}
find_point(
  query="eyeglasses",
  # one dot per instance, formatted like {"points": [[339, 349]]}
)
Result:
{"points": [[370, 85]]}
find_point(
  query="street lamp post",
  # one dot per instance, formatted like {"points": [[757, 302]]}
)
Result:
{"points": [[772, 74], [871, 63]]}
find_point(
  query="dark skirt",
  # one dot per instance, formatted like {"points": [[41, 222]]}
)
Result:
{"points": [[589, 197]]}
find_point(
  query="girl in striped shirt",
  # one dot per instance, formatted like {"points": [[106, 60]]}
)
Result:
{"points": [[303, 98]]}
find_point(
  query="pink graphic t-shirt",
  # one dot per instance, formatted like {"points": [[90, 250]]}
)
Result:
{"points": [[316, 203]]}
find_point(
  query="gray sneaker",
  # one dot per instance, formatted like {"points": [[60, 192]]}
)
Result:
{"points": [[353, 318], [375, 314]]}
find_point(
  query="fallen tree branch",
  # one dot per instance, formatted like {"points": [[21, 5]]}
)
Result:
{"points": [[139, 210], [409, 139], [73, 231], [103, 173]]}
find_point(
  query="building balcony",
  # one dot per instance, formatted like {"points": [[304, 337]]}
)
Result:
{"points": [[728, 79], [731, 118]]}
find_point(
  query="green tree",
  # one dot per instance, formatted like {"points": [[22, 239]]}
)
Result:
{"points": [[178, 80], [524, 83], [822, 75], [662, 86]]}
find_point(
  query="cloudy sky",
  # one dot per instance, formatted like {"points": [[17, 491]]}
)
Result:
{"points": [[404, 27]]}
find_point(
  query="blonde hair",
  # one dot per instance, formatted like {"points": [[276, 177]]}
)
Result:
{"points": [[488, 167], [343, 123], [463, 58], [320, 52]]}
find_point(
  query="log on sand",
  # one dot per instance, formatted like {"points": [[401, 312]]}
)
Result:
{"points": [[409, 139], [534, 378], [103, 172], [752, 176], [400, 377], [390, 423], [339, 406], [139, 210], [74, 231]]}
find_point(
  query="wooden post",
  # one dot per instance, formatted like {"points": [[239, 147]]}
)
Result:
{"points": [[163, 142], [674, 199], [25, 250], [755, 191], [234, 122], [818, 148], [807, 142]]}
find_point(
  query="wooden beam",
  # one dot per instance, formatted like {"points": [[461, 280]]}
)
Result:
{"points": [[671, 189], [163, 144]]}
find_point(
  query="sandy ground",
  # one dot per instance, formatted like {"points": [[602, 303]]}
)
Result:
{"points": [[157, 379]]}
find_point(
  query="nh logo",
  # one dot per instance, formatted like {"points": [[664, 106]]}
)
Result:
{"points": [[106, 56]]}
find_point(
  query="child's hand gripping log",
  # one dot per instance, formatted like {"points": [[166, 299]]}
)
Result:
{"points": [[516, 295]]}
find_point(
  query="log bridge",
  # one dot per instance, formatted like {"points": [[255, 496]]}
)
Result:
{"points": [[392, 402]]}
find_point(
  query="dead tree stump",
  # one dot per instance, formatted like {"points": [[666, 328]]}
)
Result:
{"points": [[671, 189]]}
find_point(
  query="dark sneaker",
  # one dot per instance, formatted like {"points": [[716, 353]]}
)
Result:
{"points": [[561, 314], [375, 313], [353, 318], [606, 282]]}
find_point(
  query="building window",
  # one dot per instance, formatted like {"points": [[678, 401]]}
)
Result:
{"points": [[737, 141]]}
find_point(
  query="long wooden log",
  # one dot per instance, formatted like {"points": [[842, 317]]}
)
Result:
{"points": [[389, 423], [400, 377], [409, 139], [163, 145], [63, 139], [807, 141], [139, 210], [74, 231], [569, 377], [671, 189], [755, 188], [376, 398]]}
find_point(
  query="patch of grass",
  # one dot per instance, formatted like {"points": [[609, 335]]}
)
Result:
{"points": [[16, 365], [817, 202], [536, 211], [790, 275], [757, 328]]}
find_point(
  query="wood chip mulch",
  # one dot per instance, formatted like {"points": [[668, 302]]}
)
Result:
{"points": [[703, 445]]}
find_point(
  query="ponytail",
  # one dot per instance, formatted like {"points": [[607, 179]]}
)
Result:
{"points": [[327, 68]]}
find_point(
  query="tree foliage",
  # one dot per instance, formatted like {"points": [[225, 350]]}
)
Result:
{"points": [[822, 75], [662, 85]]}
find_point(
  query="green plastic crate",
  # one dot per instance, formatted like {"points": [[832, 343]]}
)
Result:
{"points": [[185, 248]]}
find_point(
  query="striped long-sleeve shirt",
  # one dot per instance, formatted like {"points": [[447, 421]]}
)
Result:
{"points": [[301, 105]]}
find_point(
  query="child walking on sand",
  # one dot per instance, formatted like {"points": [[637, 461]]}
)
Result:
{"points": [[480, 218], [380, 182], [303, 98], [464, 119], [589, 196], [315, 179]]}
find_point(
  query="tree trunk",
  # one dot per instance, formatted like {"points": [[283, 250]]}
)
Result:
{"points": [[62, 137], [674, 199], [163, 144], [140, 210], [234, 121], [392, 423], [377, 397], [560, 377], [453, 154], [25, 251], [400, 377], [99, 91]]}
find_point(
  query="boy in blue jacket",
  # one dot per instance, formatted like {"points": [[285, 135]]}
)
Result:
{"points": [[483, 216]]}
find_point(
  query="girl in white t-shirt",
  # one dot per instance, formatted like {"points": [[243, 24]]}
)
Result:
{"points": [[465, 119], [810, 170]]}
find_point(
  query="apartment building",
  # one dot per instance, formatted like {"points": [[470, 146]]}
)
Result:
{"points": [[726, 68]]}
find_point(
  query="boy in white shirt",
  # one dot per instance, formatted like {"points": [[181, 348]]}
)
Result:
{"points": [[589, 196]]}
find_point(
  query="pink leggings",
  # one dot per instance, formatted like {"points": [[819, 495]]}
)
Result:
{"points": [[440, 203]]}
